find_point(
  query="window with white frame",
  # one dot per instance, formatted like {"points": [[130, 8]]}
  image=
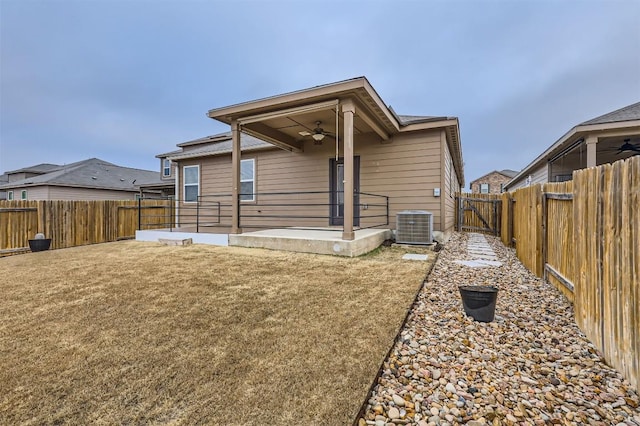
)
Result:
{"points": [[191, 179], [166, 167], [484, 188], [23, 194], [247, 180], [10, 195]]}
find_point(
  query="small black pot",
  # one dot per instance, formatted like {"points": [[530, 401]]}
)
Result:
{"points": [[479, 302], [40, 245]]}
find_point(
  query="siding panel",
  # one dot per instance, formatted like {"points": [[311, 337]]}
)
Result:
{"points": [[406, 170]]}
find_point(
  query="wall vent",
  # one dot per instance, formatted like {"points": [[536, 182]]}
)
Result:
{"points": [[414, 227]]}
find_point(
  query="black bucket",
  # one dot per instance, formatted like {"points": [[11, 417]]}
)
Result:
{"points": [[40, 245], [479, 302]]}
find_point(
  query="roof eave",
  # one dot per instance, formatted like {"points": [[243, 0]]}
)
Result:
{"points": [[360, 88], [575, 132]]}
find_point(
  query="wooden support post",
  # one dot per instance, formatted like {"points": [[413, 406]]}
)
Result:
{"points": [[235, 178], [348, 110]]}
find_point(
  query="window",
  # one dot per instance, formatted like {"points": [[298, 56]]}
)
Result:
{"points": [[23, 194], [166, 167], [501, 187], [484, 188], [247, 180], [10, 195], [191, 177]]}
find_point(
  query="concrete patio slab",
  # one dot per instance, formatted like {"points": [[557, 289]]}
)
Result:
{"points": [[318, 241]]}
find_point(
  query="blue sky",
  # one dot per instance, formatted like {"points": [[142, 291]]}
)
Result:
{"points": [[124, 80]]}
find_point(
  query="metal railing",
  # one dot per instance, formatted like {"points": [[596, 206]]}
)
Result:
{"points": [[265, 210]]}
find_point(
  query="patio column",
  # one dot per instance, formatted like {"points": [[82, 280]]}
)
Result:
{"points": [[235, 178], [348, 111], [591, 142]]}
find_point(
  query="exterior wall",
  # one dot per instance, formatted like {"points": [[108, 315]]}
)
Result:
{"points": [[451, 187], [494, 179], [406, 170], [539, 175], [69, 193]]}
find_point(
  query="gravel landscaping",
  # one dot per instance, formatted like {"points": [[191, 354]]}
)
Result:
{"points": [[531, 366]]}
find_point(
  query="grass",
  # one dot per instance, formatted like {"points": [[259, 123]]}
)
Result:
{"points": [[133, 332]]}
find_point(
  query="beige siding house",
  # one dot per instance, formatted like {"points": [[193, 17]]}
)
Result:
{"points": [[333, 156], [91, 179], [602, 140]]}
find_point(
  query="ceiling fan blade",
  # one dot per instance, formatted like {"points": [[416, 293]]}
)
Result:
{"points": [[305, 133]]}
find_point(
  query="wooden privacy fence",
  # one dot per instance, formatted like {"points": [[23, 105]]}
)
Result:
{"points": [[75, 223], [479, 213], [584, 237]]}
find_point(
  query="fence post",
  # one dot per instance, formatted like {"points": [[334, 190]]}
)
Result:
{"points": [[545, 218], [139, 213]]}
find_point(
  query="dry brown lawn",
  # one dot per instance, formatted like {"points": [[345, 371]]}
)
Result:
{"points": [[132, 333]]}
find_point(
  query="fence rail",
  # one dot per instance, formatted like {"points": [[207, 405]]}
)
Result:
{"points": [[583, 236], [71, 223]]}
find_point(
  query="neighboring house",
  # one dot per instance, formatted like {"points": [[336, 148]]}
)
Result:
{"points": [[91, 179], [492, 183], [602, 140], [4, 178], [321, 157]]}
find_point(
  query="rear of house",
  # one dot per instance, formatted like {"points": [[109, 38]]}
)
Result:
{"points": [[294, 153]]}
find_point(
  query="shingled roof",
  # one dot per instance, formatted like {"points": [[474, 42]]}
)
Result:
{"points": [[628, 113], [214, 145], [91, 173]]}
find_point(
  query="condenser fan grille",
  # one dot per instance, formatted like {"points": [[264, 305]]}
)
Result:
{"points": [[414, 227]]}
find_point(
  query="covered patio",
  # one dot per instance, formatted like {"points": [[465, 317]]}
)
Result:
{"points": [[331, 159]]}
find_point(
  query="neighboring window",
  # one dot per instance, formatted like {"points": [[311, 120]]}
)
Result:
{"points": [[23, 194], [484, 188], [191, 177], [501, 187], [247, 180], [137, 197], [166, 167], [10, 195]]}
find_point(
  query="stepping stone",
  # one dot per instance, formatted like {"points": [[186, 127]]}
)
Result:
{"points": [[485, 257], [490, 262], [485, 252], [472, 263], [414, 256]]}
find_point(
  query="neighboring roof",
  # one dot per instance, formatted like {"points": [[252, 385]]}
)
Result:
{"points": [[625, 117], [38, 168], [91, 173], [506, 173], [214, 145], [628, 113], [509, 172]]}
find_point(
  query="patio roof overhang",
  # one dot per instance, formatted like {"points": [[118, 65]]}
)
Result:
{"points": [[280, 119], [613, 132]]}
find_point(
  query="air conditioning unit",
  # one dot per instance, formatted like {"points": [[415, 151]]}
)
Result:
{"points": [[414, 227]]}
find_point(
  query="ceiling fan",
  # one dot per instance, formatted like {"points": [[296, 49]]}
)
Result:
{"points": [[627, 146], [318, 134]]}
